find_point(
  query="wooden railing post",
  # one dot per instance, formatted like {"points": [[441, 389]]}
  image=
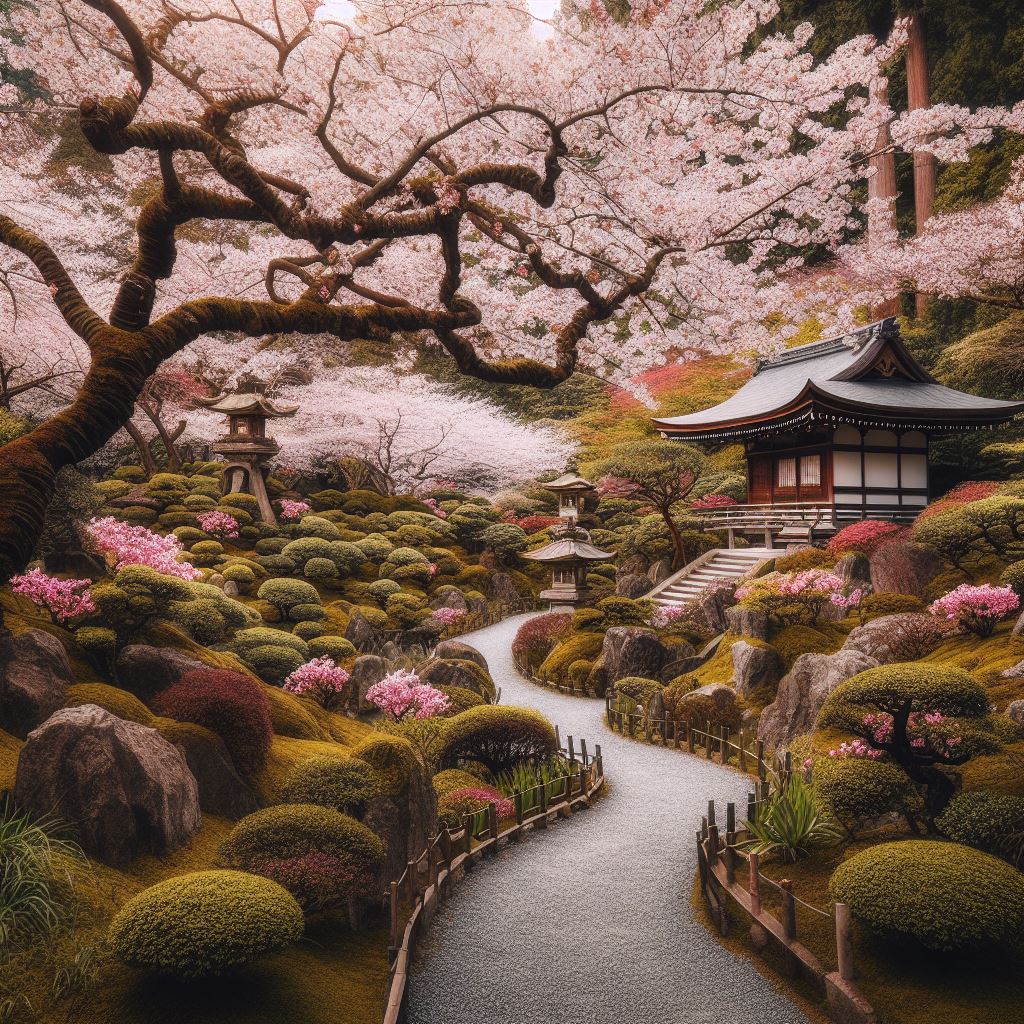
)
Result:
{"points": [[709, 746], [711, 812], [844, 944], [542, 818], [608, 710], [412, 881], [712, 844], [572, 749], [394, 918], [751, 808], [754, 864], [518, 798], [743, 750], [762, 768], [725, 744], [730, 817], [730, 857], [492, 822], [788, 909], [689, 738], [583, 751]]}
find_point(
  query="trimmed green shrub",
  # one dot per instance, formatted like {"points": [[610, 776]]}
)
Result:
{"points": [[314, 526], [497, 737], [335, 647], [319, 570], [189, 535], [97, 641], [240, 574], [375, 546], [1013, 576], [394, 759], [301, 551], [854, 790], [942, 895], [344, 784], [875, 605], [986, 821], [308, 630], [285, 594], [262, 636], [306, 613], [276, 563], [132, 474], [271, 545], [381, 590], [637, 688], [406, 556], [578, 646], [201, 619], [273, 663], [461, 698], [205, 923], [243, 501], [623, 611], [452, 779]]}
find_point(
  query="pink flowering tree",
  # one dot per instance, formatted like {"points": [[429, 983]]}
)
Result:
{"points": [[218, 524], [865, 537], [925, 718], [321, 180], [977, 609], [63, 599], [321, 679], [124, 544], [712, 501], [448, 617], [401, 697], [800, 596], [292, 510]]}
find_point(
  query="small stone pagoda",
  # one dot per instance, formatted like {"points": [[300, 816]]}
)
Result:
{"points": [[568, 554], [246, 447], [576, 496]]}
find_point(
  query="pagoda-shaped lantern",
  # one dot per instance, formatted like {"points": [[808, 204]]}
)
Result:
{"points": [[576, 496], [569, 554], [246, 447]]}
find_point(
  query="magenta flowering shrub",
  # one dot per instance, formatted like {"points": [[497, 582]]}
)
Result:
{"points": [[218, 524], [125, 544], [866, 537], [713, 501], [855, 748], [434, 507], [977, 608], [292, 510], [63, 599], [449, 616], [929, 733], [321, 679], [668, 615], [402, 696], [454, 806]]}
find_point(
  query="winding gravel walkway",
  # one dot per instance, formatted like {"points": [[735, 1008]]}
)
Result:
{"points": [[590, 922]]}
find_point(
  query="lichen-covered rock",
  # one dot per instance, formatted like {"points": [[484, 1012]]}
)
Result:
{"points": [[632, 585], [146, 671], [451, 598], [462, 651], [359, 633], [905, 636], [467, 675], [627, 651], [714, 603], [747, 622], [754, 666], [34, 676], [1015, 711], [854, 568], [121, 786], [503, 590], [802, 692], [661, 570], [367, 669]]}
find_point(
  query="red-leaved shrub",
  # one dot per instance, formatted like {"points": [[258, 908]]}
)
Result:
{"points": [[533, 524], [866, 536], [227, 703], [962, 494], [537, 638]]}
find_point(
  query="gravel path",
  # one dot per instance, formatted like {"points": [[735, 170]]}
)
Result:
{"points": [[590, 922]]}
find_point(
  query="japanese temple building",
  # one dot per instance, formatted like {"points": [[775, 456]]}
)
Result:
{"points": [[246, 447], [843, 424]]}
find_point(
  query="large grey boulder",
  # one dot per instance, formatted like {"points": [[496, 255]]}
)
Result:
{"points": [[802, 692], [367, 669], [121, 786], [222, 791], [714, 604], [627, 651], [359, 633], [503, 590], [450, 597], [462, 651], [747, 622], [854, 568], [632, 585], [455, 672], [754, 666], [34, 676], [661, 570], [146, 671], [905, 636]]}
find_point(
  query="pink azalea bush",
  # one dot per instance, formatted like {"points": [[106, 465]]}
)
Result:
{"points": [[434, 507], [866, 537], [976, 608], [855, 748], [929, 732], [63, 599], [218, 524], [321, 679], [808, 592], [292, 509], [713, 501], [449, 616], [401, 696], [125, 544]]}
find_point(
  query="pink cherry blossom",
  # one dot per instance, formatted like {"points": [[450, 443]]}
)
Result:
{"points": [[977, 608], [291, 509], [321, 679], [63, 599], [126, 544], [448, 616], [218, 524], [401, 695]]}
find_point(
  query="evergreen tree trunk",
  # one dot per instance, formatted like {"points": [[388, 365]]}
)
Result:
{"points": [[918, 98], [882, 188]]}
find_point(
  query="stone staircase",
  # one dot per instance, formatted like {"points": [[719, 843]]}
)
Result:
{"points": [[713, 566]]}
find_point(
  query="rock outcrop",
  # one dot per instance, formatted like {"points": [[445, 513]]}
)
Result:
{"points": [[905, 636], [802, 692], [367, 669], [121, 786], [34, 676], [747, 622], [632, 585], [627, 651], [754, 666], [146, 671], [462, 651]]}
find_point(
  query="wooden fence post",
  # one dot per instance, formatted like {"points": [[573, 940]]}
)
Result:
{"points": [[492, 823], [709, 746], [712, 844], [711, 812], [751, 808], [762, 768], [725, 744], [754, 863], [558, 738], [689, 738], [519, 808], [583, 751], [572, 749], [788, 909], [730, 857], [743, 750], [542, 818], [730, 817], [844, 944], [394, 918], [608, 710]]}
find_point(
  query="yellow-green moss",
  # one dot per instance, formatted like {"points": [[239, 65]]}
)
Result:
{"points": [[793, 641], [285, 753], [291, 716], [10, 747], [118, 702], [578, 646]]}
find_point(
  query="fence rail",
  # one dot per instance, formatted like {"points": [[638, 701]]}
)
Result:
{"points": [[721, 858], [413, 897]]}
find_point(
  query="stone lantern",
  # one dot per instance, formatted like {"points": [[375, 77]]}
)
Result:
{"points": [[246, 446], [576, 495], [569, 554]]}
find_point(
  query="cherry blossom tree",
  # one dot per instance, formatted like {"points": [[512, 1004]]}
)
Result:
{"points": [[430, 169]]}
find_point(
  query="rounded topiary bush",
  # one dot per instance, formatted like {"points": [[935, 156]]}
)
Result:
{"points": [[321, 856], [337, 648], [205, 923], [242, 575], [273, 663], [227, 703], [853, 790], [983, 820], [286, 594], [320, 570], [942, 895], [1013, 576], [315, 526], [271, 545], [308, 630], [637, 688], [344, 784], [243, 501], [497, 737], [538, 636]]}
